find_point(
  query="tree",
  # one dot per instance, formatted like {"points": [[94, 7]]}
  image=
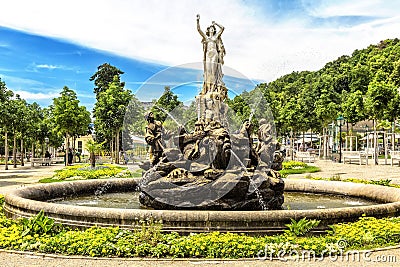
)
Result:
{"points": [[378, 96], [5, 120], [353, 106], [104, 76], [69, 117], [167, 102], [93, 148], [20, 125], [134, 117], [109, 111], [327, 106]]}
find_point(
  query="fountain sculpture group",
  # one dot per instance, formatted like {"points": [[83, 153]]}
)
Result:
{"points": [[211, 168]]}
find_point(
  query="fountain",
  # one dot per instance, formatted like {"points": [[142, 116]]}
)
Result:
{"points": [[209, 179], [211, 168]]}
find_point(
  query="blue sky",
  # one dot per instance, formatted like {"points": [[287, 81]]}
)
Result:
{"points": [[47, 44]]}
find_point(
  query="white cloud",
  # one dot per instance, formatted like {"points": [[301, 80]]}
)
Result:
{"points": [[30, 96], [47, 66], [329, 8], [165, 31]]}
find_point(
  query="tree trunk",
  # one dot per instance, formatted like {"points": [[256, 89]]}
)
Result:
{"points": [[33, 147], [112, 147], [93, 159], [393, 135], [22, 151], [15, 151], [291, 145], [385, 145], [73, 149], [6, 150], [375, 145], [325, 143], [33, 151], [117, 147], [66, 148]]}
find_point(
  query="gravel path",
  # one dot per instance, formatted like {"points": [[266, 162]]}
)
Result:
{"points": [[14, 178]]}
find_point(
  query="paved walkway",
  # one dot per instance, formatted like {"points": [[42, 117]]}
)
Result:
{"points": [[368, 172], [21, 176], [14, 178]]}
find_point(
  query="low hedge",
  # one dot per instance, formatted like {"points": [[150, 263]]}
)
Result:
{"points": [[85, 171]]}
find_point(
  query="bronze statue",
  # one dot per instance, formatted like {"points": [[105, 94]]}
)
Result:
{"points": [[153, 137], [213, 57]]}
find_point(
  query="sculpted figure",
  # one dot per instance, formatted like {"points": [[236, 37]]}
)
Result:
{"points": [[153, 137], [265, 140], [213, 58]]}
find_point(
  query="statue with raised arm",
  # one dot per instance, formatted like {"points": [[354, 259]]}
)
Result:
{"points": [[213, 58]]}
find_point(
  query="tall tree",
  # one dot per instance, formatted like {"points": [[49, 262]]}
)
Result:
{"points": [[109, 111], [5, 119], [35, 118], [20, 125], [378, 96], [68, 115], [327, 106]]}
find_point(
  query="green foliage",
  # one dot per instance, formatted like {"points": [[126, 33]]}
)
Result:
{"points": [[356, 86], [382, 182], [109, 112], [69, 117], [1, 203], [378, 96], [134, 118], [296, 167], [104, 76], [166, 103], [40, 234], [93, 147], [286, 165], [39, 224], [301, 227], [385, 182], [368, 232], [83, 172], [111, 105]]}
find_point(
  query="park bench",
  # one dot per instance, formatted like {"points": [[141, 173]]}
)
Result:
{"points": [[43, 161], [394, 155], [57, 160], [354, 156], [305, 156]]}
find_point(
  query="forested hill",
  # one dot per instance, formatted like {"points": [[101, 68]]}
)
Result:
{"points": [[361, 86]]}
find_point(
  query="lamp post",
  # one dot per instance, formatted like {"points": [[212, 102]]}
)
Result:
{"points": [[340, 122]]}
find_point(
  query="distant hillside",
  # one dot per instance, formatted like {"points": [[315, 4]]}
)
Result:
{"points": [[357, 86]]}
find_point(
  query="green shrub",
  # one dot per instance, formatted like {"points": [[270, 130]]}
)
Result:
{"points": [[288, 165], [301, 227], [83, 172], [38, 224]]}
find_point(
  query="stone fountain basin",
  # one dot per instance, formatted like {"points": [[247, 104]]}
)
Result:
{"points": [[28, 201]]}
